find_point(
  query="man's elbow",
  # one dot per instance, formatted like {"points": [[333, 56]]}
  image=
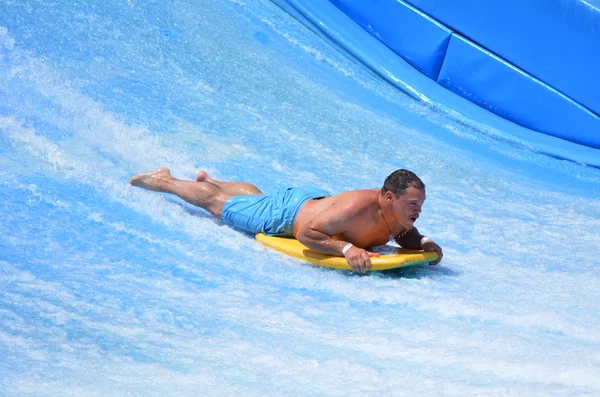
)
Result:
{"points": [[308, 236], [302, 235]]}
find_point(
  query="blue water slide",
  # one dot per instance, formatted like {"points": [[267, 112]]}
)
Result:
{"points": [[422, 46]]}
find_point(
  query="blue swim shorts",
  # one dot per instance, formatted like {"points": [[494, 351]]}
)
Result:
{"points": [[273, 215]]}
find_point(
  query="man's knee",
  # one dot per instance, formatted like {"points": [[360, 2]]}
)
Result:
{"points": [[217, 205]]}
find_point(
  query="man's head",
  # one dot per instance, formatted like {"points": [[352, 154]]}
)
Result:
{"points": [[403, 194], [400, 180]]}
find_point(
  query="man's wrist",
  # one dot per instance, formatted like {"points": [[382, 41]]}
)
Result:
{"points": [[424, 240], [346, 248]]}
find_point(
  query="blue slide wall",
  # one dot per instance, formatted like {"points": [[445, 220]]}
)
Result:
{"points": [[556, 41], [420, 54], [534, 62]]}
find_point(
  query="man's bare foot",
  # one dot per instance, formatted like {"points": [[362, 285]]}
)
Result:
{"points": [[230, 188], [151, 180], [203, 177]]}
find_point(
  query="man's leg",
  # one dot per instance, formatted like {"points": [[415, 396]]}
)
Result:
{"points": [[230, 188], [205, 195]]}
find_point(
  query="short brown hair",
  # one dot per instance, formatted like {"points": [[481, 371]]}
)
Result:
{"points": [[400, 180]]}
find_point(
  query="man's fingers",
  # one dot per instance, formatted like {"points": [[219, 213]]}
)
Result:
{"points": [[368, 264], [438, 251], [367, 260], [361, 264], [364, 266]]}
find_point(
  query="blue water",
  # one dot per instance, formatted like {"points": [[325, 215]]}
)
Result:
{"points": [[107, 290]]}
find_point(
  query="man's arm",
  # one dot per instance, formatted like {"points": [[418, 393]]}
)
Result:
{"points": [[416, 241], [318, 236], [411, 239]]}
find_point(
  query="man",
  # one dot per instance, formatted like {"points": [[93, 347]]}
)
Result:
{"points": [[344, 224]]}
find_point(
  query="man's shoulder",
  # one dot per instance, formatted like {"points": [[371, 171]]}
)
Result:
{"points": [[370, 194], [359, 199]]}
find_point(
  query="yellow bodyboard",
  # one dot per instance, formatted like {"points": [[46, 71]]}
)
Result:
{"points": [[390, 257]]}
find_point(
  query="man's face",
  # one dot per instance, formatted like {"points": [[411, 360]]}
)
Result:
{"points": [[407, 207]]}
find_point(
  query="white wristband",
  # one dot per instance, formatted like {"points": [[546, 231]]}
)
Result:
{"points": [[424, 240], [346, 248]]}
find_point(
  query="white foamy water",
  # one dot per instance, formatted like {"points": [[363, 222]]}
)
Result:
{"points": [[110, 290]]}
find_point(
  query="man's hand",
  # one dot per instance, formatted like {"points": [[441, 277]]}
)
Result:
{"points": [[431, 246], [359, 259]]}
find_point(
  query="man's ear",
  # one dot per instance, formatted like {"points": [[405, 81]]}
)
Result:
{"points": [[389, 196]]}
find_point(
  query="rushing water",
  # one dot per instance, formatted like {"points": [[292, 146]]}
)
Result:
{"points": [[108, 290]]}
